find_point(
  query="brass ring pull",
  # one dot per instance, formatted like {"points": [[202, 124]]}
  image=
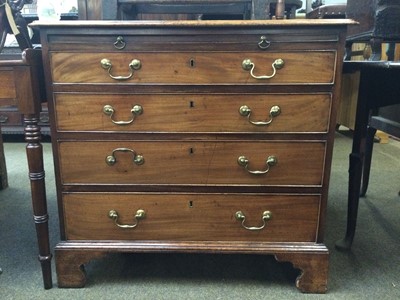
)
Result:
{"points": [[3, 119], [265, 217], [135, 111], [245, 111], [247, 65], [137, 158], [120, 43], [134, 65], [140, 214], [270, 161], [264, 43]]}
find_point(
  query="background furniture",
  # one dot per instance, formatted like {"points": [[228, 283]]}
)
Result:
{"points": [[186, 9], [378, 88], [133, 9], [190, 137], [23, 86], [328, 12], [380, 23], [390, 126], [11, 119], [3, 166]]}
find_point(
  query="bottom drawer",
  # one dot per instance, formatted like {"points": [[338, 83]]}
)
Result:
{"points": [[191, 217]]}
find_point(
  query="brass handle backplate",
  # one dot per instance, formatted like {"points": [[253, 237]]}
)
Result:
{"points": [[239, 215], [248, 65], [245, 111], [135, 64], [244, 162], [135, 111], [140, 214], [137, 158]]}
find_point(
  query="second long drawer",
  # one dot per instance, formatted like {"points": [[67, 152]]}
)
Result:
{"points": [[279, 163], [298, 113]]}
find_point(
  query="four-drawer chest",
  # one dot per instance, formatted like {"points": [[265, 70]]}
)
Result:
{"points": [[193, 136]]}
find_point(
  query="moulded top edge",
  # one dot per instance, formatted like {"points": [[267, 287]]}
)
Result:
{"points": [[195, 23]]}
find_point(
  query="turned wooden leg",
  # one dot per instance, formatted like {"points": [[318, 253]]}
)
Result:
{"points": [[70, 266], [314, 270], [34, 152]]}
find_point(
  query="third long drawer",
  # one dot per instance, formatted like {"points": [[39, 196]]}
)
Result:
{"points": [[278, 163]]}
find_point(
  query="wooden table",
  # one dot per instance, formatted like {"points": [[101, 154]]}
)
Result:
{"points": [[378, 87], [20, 77]]}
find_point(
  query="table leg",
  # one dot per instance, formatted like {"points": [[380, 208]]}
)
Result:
{"points": [[356, 160], [367, 160], [34, 152]]}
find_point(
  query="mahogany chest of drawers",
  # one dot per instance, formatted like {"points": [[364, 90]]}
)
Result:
{"points": [[193, 136]]}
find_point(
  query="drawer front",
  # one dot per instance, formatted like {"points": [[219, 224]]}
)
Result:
{"points": [[138, 40], [313, 67], [194, 113], [192, 162], [192, 217]]}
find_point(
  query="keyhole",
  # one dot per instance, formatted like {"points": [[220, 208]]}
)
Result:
{"points": [[191, 150], [192, 63], [190, 204], [191, 104]]}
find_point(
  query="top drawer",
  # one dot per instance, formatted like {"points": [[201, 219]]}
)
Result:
{"points": [[196, 68]]}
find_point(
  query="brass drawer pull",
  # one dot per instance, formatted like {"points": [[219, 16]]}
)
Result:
{"points": [[134, 65], [137, 158], [265, 217], [247, 65], [245, 111], [140, 214], [136, 111], [244, 162]]}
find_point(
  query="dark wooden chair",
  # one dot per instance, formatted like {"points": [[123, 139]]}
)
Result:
{"points": [[378, 88], [11, 21]]}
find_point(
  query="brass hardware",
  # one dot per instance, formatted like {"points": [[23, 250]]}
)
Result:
{"points": [[245, 111], [137, 158], [44, 119], [248, 65], [134, 65], [270, 161], [265, 217], [3, 119], [264, 43], [135, 111], [140, 214], [120, 43]]}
